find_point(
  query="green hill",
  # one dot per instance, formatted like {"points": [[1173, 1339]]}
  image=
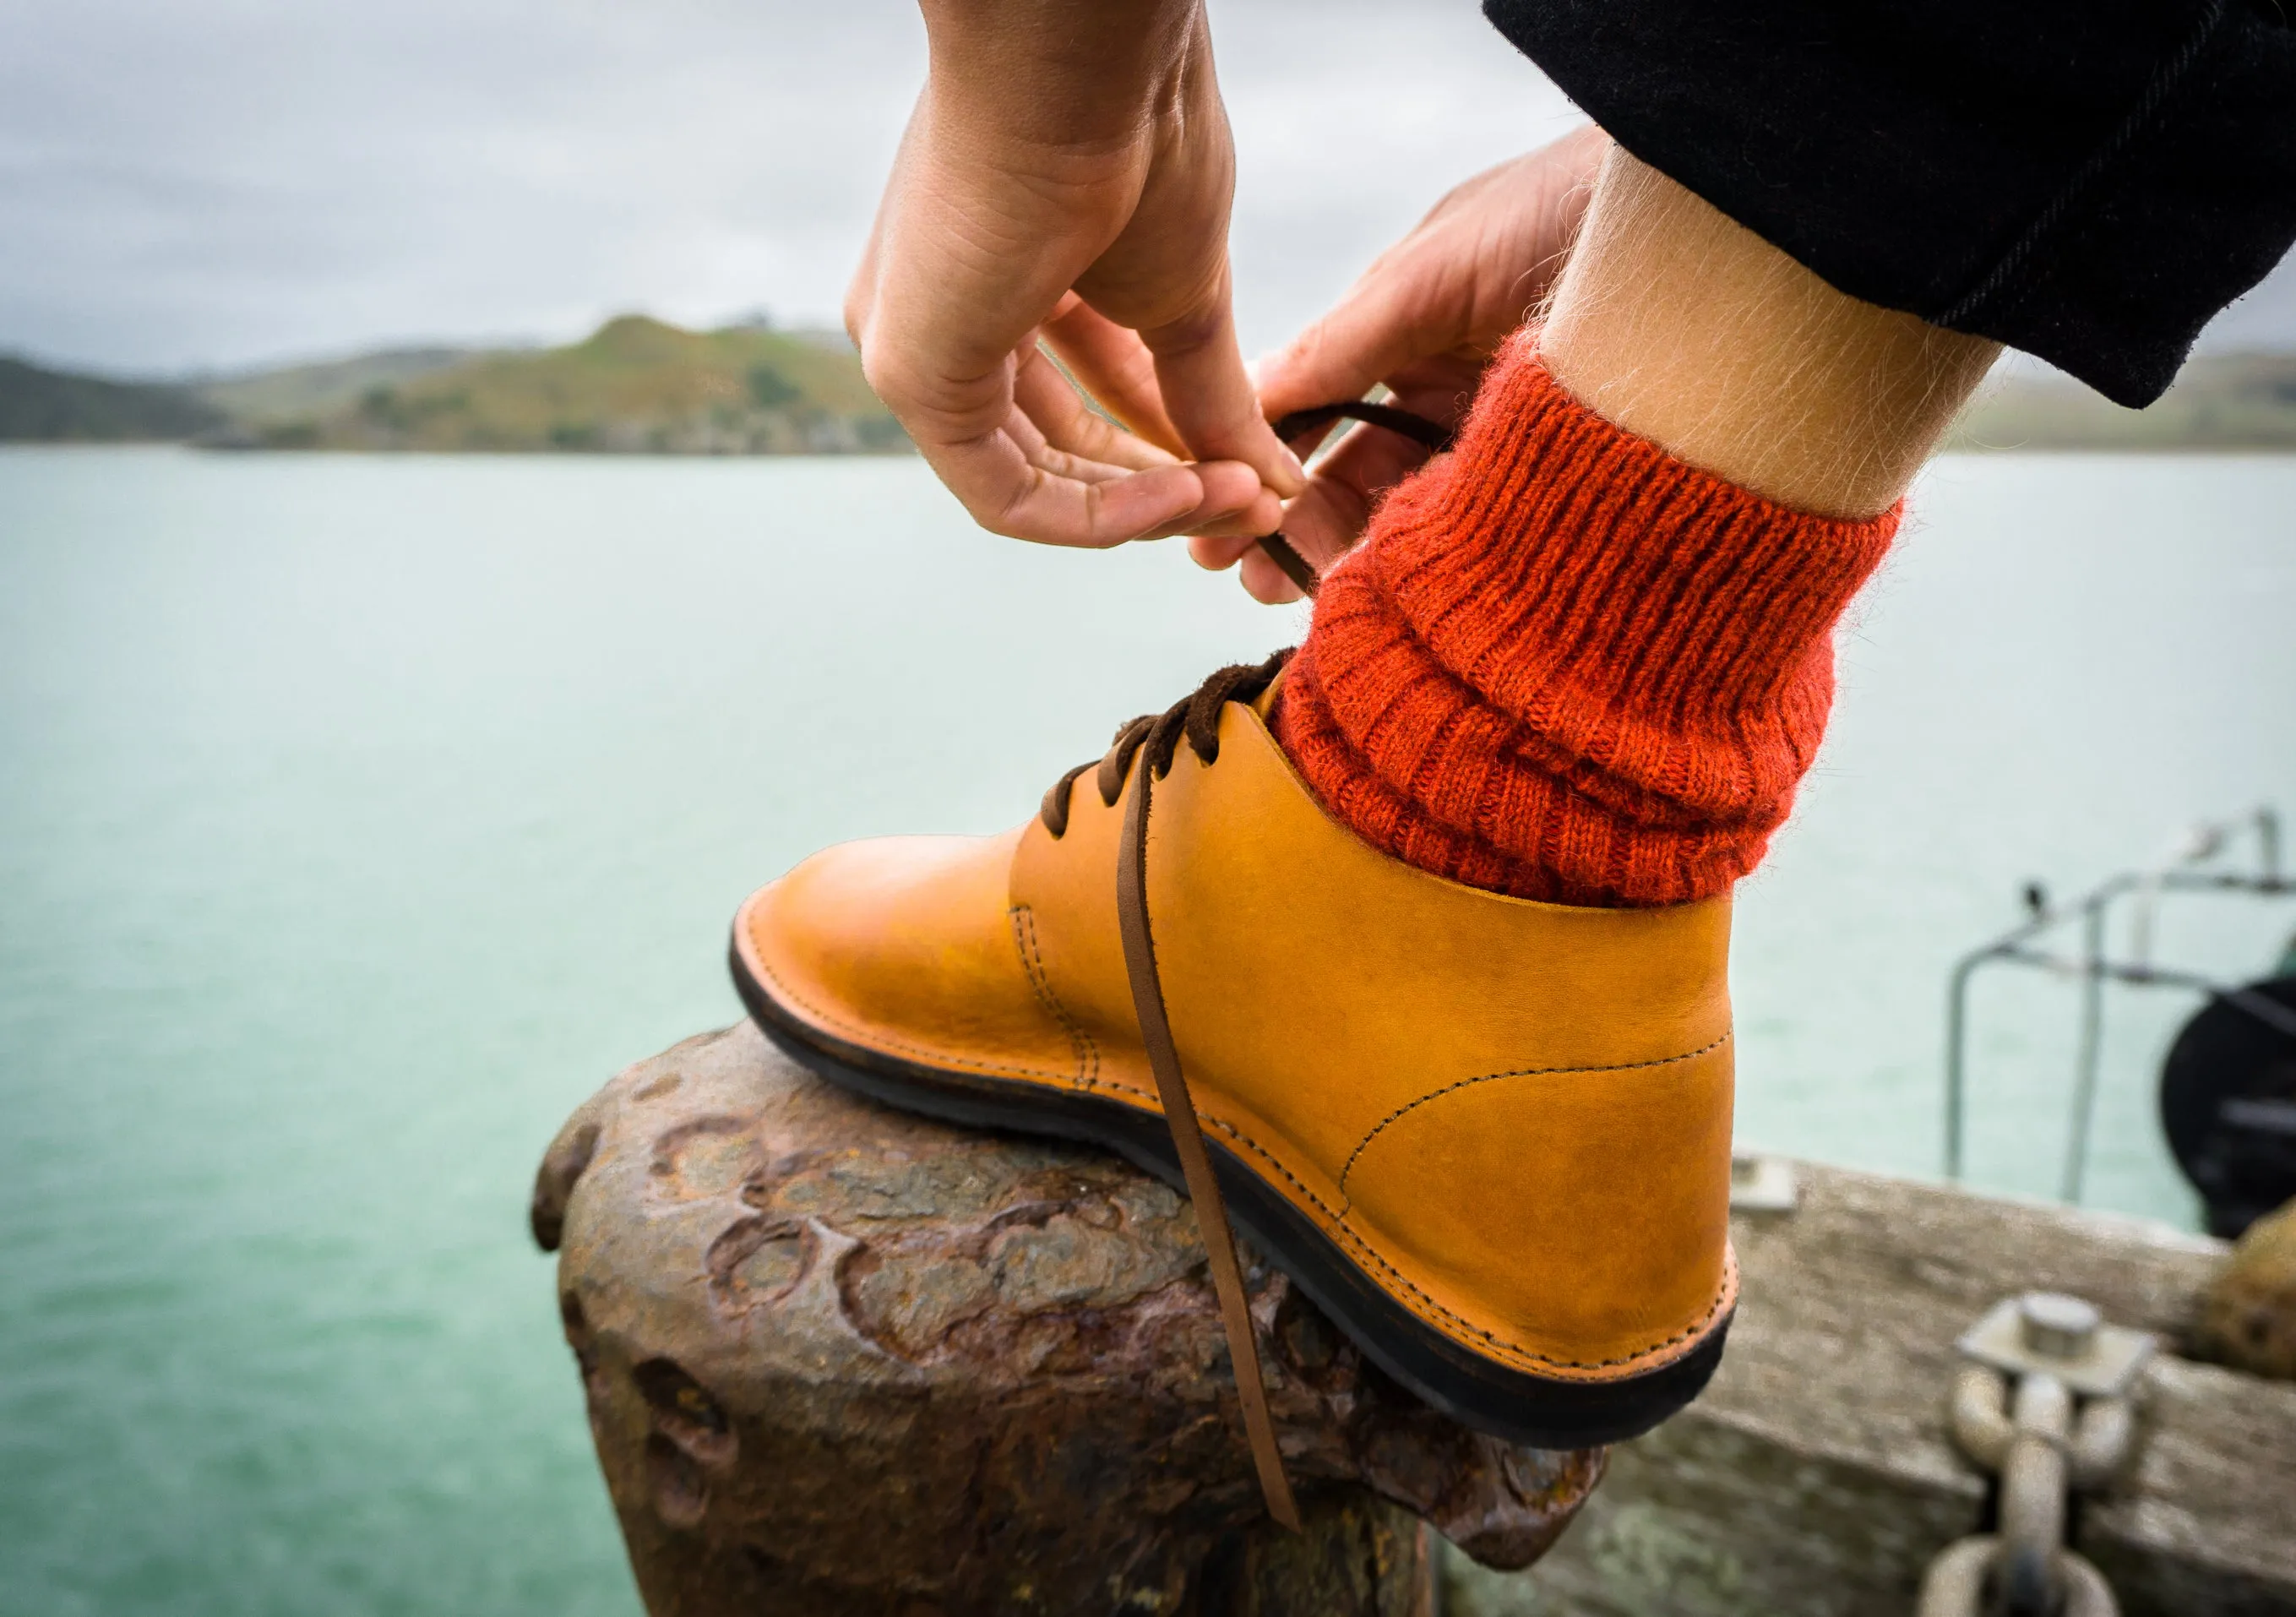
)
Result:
{"points": [[254, 400], [2226, 401], [637, 386], [41, 405]]}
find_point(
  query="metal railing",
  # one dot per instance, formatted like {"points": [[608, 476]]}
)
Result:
{"points": [[2183, 873]]}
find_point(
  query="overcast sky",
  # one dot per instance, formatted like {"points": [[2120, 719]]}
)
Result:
{"points": [[189, 184]]}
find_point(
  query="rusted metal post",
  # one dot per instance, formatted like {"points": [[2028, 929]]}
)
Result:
{"points": [[842, 1360]]}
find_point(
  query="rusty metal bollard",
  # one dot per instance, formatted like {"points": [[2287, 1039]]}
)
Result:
{"points": [[842, 1360]]}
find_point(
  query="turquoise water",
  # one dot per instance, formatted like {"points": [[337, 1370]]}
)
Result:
{"points": [[358, 817]]}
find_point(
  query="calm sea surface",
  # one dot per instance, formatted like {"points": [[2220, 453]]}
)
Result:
{"points": [[359, 817]]}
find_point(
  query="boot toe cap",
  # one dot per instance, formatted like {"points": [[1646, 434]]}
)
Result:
{"points": [[907, 948]]}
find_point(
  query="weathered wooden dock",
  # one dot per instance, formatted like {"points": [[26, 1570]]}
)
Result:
{"points": [[1816, 1474], [842, 1360]]}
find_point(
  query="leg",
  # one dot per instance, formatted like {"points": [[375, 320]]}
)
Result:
{"points": [[1584, 659], [1587, 658], [1491, 1138], [1686, 328]]}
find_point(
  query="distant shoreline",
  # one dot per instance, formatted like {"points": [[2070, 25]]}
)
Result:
{"points": [[2221, 403], [639, 386], [635, 386]]}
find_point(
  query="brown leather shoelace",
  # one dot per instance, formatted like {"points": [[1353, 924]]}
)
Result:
{"points": [[1153, 741], [1430, 435]]}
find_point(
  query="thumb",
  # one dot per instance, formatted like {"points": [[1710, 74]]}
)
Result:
{"points": [[1384, 321]]}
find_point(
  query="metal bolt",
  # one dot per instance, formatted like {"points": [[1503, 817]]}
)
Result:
{"points": [[2055, 1326]]}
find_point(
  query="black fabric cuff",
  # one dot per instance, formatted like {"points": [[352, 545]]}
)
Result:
{"points": [[2090, 181]]}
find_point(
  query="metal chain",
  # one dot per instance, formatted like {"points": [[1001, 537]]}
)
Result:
{"points": [[2046, 1405]]}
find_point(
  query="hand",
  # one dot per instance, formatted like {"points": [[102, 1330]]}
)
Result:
{"points": [[1425, 319], [1066, 179]]}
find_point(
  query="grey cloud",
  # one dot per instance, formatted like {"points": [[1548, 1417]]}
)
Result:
{"points": [[214, 182], [189, 183]]}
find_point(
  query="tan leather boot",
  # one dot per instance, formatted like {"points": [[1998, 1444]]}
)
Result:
{"points": [[1491, 1137]]}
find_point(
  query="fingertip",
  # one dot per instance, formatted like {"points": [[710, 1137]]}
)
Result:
{"points": [[1268, 369], [1217, 553], [1231, 488], [1284, 377], [1296, 467], [1147, 505], [1264, 515], [1274, 464], [1265, 582]]}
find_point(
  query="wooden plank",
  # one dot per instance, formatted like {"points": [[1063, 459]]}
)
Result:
{"points": [[2209, 1522], [1817, 1476]]}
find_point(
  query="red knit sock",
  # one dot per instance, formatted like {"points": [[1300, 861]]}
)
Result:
{"points": [[1566, 666]]}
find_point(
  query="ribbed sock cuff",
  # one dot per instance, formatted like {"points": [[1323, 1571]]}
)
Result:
{"points": [[1565, 665]]}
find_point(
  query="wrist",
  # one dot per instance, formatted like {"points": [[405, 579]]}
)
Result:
{"points": [[1067, 75]]}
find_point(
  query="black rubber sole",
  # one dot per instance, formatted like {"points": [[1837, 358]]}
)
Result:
{"points": [[1474, 1391]]}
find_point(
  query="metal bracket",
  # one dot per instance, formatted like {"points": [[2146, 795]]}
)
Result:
{"points": [[2046, 1333], [1762, 1184]]}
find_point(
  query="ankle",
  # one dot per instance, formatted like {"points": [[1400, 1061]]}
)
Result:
{"points": [[1567, 666], [1681, 325]]}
